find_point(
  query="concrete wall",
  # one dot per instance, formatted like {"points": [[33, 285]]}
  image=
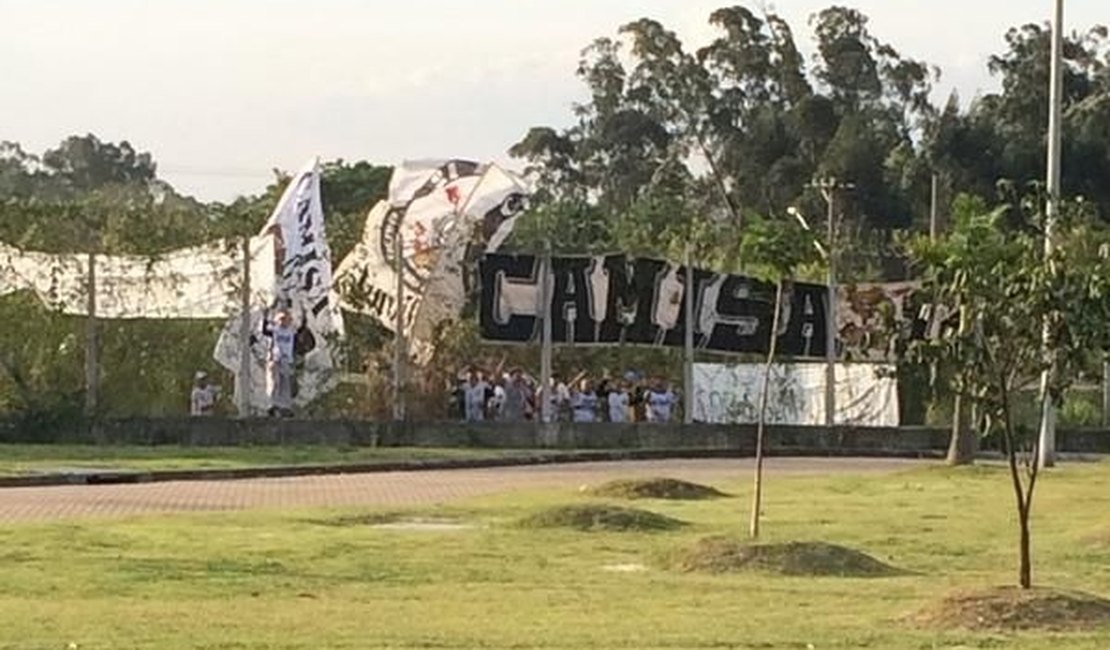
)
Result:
{"points": [[213, 432]]}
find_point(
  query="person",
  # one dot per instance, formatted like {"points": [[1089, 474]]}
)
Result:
{"points": [[659, 401], [280, 364], [618, 403], [475, 395], [557, 395], [202, 401], [496, 401], [583, 402], [514, 403]]}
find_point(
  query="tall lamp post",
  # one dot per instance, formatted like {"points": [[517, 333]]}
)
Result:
{"points": [[1046, 447]]}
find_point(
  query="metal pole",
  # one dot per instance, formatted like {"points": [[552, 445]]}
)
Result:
{"points": [[245, 389], [545, 342], [399, 331], [1046, 447], [92, 343], [688, 356], [830, 310]]}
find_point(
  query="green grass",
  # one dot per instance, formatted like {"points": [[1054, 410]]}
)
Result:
{"points": [[295, 580], [16, 460]]}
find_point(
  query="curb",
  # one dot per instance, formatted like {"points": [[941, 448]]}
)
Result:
{"points": [[120, 477]]}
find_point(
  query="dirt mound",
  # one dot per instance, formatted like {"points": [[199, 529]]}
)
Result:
{"points": [[656, 488], [600, 518], [724, 555], [363, 519], [1011, 608]]}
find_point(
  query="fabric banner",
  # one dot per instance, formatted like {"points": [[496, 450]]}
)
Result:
{"points": [[485, 222], [299, 279], [866, 394], [616, 299], [200, 282], [441, 211], [425, 199]]}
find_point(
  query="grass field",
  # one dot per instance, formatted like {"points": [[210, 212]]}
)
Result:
{"points": [[311, 580], [16, 460]]}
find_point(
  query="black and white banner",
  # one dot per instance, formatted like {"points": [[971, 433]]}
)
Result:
{"points": [[616, 299], [443, 213]]}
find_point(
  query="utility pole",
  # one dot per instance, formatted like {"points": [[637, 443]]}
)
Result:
{"points": [[1046, 447]]}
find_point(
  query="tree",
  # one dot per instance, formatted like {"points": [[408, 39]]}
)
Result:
{"points": [[740, 126], [995, 275], [777, 249]]}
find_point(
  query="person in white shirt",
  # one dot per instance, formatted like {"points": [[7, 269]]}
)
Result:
{"points": [[475, 395], [583, 403], [497, 402], [202, 400], [660, 402], [280, 364], [618, 403]]}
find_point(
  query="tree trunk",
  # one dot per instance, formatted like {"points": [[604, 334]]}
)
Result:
{"points": [[1024, 499], [964, 443], [1025, 576], [757, 493]]}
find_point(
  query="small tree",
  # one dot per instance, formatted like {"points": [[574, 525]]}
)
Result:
{"points": [[777, 249], [1010, 297]]}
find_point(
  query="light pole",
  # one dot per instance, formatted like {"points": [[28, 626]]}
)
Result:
{"points": [[1046, 447], [829, 188]]}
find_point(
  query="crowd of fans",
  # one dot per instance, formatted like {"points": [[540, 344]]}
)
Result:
{"points": [[515, 396]]}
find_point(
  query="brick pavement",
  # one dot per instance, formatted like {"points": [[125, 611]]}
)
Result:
{"points": [[393, 489]]}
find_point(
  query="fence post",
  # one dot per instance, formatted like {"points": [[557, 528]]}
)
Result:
{"points": [[688, 355], [399, 331], [245, 387], [92, 343], [546, 414]]}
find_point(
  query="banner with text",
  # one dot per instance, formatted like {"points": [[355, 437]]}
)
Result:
{"points": [[615, 299]]}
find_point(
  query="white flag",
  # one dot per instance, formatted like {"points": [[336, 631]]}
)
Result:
{"points": [[301, 280], [485, 222], [424, 205]]}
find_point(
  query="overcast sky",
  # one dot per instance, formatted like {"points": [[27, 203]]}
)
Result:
{"points": [[221, 91]]}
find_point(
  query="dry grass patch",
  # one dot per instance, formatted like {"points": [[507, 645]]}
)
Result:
{"points": [[590, 517], [725, 555], [1011, 608], [656, 488]]}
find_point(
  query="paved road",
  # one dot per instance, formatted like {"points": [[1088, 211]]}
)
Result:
{"points": [[383, 489]]}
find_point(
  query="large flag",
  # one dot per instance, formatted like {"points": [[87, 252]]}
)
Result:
{"points": [[485, 222], [300, 279], [441, 210], [425, 200]]}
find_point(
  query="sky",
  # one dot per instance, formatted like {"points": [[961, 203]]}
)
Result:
{"points": [[223, 91]]}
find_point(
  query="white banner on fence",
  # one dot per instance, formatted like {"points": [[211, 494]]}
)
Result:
{"points": [[200, 282], [866, 395]]}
